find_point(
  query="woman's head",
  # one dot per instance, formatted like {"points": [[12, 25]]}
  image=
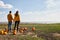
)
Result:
{"points": [[16, 14]]}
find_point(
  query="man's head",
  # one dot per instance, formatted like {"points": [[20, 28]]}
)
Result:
{"points": [[9, 11]]}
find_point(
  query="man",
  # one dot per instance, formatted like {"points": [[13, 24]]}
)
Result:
{"points": [[10, 18]]}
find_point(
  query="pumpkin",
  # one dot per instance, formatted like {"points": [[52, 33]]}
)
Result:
{"points": [[14, 32], [2, 32], [6, 30], [25, 28], [33, 28], [21, 31], [5, 33]]}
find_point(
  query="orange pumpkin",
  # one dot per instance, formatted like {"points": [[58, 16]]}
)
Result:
{"points": [[6, 30], [5, 33], [33, 28], [25, 28], [2, 32], [14, 32], [21, 31]]}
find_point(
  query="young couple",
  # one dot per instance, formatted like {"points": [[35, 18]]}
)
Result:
{"points": [[16, 20]]}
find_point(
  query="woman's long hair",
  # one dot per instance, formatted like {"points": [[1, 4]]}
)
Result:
{"points": [[16, 14]]}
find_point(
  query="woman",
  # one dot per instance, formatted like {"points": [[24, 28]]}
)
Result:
{"points": [[16, 20]]}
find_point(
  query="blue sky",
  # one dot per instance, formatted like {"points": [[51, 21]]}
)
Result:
{"points": [[40, 11]]}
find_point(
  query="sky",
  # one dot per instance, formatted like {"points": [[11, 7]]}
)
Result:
{"points": [[37, 11]]}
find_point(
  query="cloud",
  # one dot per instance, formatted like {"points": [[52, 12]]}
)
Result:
{"points": [[3, 16], [53, 4], [1, 12], [41, 17], [37, 16], [3, 5], [16, 9]]}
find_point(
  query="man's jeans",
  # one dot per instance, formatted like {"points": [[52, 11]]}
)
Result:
{"points": [[9, 26]]}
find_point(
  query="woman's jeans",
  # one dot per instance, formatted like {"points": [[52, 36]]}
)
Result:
{"points": [[9, 25], [16, 25]]}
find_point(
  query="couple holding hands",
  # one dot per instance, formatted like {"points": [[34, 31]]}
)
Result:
{"points": [[16, 20]]}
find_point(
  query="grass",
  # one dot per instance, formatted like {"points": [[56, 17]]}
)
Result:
{"points": [[18, 37], [46, 28]]}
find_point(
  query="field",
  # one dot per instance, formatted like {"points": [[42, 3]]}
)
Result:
{"points": [[42, 32]]}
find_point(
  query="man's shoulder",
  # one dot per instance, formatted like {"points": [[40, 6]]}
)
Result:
{"points": [[9, 14]]}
